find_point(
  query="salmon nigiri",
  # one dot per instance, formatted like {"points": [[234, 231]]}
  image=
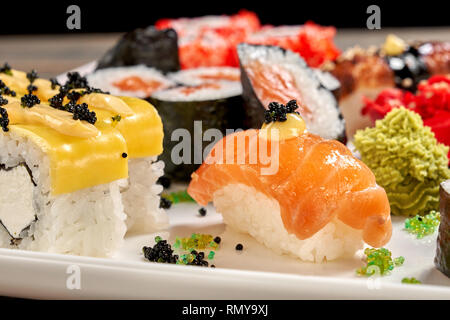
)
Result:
{"points": [[294, 191]]}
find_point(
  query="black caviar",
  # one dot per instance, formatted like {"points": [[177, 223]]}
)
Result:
{"points": [[73, 96], [32, 75], [4, 89], [31, 88], [202, 212], [29, 100], [124, 155], [278, 111], [165, 203], [4, 119], [81, 112], [217, 239], [54, 83], [199, 259], [165, 182], [239, 247], [161, 252], [6, 69]]}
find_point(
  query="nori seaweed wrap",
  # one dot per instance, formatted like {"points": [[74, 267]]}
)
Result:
{"points": [[217, 106], [150, 46], [442, 259]]}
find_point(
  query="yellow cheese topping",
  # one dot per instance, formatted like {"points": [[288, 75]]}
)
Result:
{"points": [[83, 155], [78, 163], [60, 121]]}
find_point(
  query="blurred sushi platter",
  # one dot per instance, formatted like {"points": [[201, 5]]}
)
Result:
{"points": [[134, 174]]}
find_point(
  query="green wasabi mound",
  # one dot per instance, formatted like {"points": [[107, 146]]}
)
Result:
{"points": [[407, 161]]}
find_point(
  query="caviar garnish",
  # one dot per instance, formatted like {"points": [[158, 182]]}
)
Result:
{"points": [[179, 196], [76, 81], [161, 252], [165, 203], [82, 112], [197, 241], [54, 83], [73, 96], [165, 182], [411, 281], [32, 75], [213, 266], [4, 89], [4, 119], [379, 262], [202, 212], [29, 100], [3, 101], [57, 101], [31, 88], [6, 69], [116, 118], [278, 111], [239, 247], [423, 226], [124, 155], [217, 239]]}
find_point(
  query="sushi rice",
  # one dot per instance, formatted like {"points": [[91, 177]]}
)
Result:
{"points": [[249, 211], [91, 221]]}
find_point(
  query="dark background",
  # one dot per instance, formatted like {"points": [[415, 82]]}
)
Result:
{"points": [[19, 17]]}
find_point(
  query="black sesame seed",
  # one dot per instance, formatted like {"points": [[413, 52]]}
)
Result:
{"points": [[239, 247], [124, 155], [202, 212], [165, 203], [217, 239]]}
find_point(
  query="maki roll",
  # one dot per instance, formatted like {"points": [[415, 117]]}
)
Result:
{"points": [[151, 47], [270, 73], [313, 200], [135, 81], [194, 110], [442, 259], [78, 170]]}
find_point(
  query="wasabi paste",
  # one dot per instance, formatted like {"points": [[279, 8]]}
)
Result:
{"points": [[407, 161]]}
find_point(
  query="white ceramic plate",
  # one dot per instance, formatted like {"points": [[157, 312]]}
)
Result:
{"points": [[254, 273]]}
